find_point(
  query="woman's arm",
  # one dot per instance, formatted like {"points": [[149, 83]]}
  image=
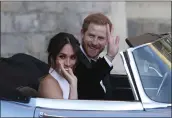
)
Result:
{"points": [[49, 88], [72, 80], [73, 92]]}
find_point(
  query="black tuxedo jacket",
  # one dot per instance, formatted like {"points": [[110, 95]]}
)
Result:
{"points": [[89, 77]]}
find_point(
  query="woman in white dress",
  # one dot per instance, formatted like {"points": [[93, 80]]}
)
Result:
{"points": [[61, 83]]}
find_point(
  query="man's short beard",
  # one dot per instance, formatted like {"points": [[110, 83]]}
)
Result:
{"points": [[96, 57]]}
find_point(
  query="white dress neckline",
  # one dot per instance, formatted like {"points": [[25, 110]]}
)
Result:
{"points": [[64, 85]]}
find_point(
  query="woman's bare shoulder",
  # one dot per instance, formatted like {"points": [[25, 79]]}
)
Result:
{"points": [[50, 82], [50, 88], [48, 78]]}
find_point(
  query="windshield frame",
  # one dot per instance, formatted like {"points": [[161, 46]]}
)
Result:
{"points": [[129, 72], [144, 97]]}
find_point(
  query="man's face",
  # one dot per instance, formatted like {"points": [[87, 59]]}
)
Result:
{"points": [[94, 40]]}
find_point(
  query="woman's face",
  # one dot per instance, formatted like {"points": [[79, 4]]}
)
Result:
{"points": [[66, 57]]}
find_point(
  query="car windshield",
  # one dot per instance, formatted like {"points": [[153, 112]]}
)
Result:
{"points": [[153, 62]]}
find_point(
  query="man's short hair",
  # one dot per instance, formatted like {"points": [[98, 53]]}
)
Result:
{"points": [[96, 18]]}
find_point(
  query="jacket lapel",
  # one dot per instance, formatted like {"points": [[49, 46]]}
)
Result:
{"points": [[83, 59]]}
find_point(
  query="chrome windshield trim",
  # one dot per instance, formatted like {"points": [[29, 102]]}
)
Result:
{"points": [[129, 76]]}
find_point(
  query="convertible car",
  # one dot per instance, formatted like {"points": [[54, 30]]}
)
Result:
{"points": [[145, 90]]}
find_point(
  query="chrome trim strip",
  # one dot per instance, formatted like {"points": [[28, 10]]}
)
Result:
{"points": [[44, 115], [86, 104], [155, 105], [129, 76]]}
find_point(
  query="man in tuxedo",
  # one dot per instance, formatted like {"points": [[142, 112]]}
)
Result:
{"points": [[96, 33]]}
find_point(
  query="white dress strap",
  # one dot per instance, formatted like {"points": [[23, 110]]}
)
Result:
{"points": [[64, 85]]}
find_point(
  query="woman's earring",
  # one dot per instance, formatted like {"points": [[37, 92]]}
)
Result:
{"points": [[60, 70], [52, 63]]}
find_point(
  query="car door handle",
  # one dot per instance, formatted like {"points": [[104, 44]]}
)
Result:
{"points": [[44, 115]]}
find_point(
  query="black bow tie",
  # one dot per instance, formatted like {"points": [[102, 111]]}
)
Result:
{"points": [[93, 62]]}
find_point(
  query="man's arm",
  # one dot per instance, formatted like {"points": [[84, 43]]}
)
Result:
{"points": [[108, 60]]}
